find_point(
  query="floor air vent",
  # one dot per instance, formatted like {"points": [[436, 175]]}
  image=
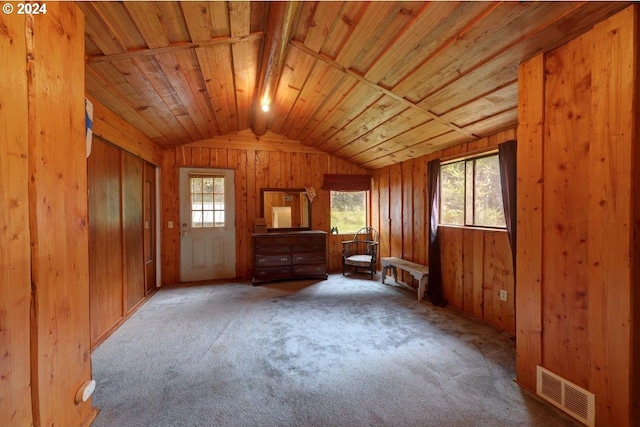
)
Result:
{"points": [[574, 400]]}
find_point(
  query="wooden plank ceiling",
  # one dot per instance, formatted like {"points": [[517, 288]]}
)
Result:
{"points": [[374, 83]]}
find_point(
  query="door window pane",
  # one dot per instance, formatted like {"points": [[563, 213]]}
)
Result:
{"points": [[207, 201]]}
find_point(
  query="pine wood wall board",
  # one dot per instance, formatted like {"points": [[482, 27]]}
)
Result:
{"points": [[243, 226], [432, 28], [424, 133], [245, 78], [217, 71], [384, 108], [612, 220], [498, 276], [565, 228], [331, 103], [384, 187], [60, 361], [141, 74], [419, 150], [15, 236], [498, 122], [198, 18], [420, 211], [485, 106], [170, 213], [342, 28], [155, 75], [148, 23], [408, 236], [400, 17], [144, 107], [530, 210], [150, 227], [452, 250], [323, 82], [343, 114], [482, 81], [469, 274], [100, 33], [122, 24], [372, 18], [402, 122], [375, 208], [106, 268], [182, 70], [109, 126], [322, 16], [132, 230], [509, 21], [289, 87], [395, 210], [98, 89], [174, 25]]}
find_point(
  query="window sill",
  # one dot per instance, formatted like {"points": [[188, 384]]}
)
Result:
{"points": [[468, 227]]}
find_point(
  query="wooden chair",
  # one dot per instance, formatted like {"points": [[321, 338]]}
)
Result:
{"points": [[362, 251]]}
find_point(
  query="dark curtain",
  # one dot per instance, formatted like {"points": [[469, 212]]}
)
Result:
{"points": [[342, 182], [507, 154], [434, 290]]}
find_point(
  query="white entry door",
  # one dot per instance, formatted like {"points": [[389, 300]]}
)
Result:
{"points": [[207, 224]]}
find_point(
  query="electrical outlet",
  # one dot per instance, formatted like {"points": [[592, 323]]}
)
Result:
{"points": [[503, 295]]}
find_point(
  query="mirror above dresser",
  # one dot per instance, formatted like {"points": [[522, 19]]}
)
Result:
{"points": [[285, 209]]}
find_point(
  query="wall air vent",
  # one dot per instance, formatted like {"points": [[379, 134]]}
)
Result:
{"points": [[574, 400]]}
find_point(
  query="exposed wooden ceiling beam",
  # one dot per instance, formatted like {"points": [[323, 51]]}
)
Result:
{"points": [[379, 88], [175, 47], [280, 24]]}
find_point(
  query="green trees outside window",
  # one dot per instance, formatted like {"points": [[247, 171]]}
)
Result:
{"points": [[471, 193], [348, 211]]}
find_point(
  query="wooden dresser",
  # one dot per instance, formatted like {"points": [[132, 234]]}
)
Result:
{"points": [[289, 255]]}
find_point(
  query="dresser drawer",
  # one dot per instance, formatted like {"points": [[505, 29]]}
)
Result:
{"points": [[309, 247], [275, 240], [269, 273], [272, 260], [271, 249], [309, 258], [310, 270]]}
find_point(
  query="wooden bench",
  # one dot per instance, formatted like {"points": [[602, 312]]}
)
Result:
{"points": [[418, 271]]}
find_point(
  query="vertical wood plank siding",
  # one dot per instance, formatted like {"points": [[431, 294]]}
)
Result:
{"points": [[60, 357], [271, 161], [476, 264], [578, 217], [15, 250]]}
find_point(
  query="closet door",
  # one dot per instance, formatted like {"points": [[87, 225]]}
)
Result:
{"points": [[149, 208], [105, 238], [133, 230]]}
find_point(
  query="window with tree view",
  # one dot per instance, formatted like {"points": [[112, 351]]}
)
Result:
{"points": [[348, 210], [471, 193]]}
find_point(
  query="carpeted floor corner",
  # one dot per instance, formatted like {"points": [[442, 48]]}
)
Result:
{"points": [[340, 352]]}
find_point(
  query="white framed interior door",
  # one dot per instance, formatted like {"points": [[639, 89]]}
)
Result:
{"points": [[207, 224]]}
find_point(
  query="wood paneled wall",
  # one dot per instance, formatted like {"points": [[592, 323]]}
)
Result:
{"points": [[42, 132], [476, 264], [120, 247], [110, 127], [269, 161], [15, 251], [578, 217]]}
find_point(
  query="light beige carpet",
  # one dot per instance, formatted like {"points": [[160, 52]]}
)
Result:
{"points": [[341, 352]]}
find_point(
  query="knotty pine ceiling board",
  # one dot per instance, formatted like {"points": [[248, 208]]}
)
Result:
{"points": [[374, 83]]}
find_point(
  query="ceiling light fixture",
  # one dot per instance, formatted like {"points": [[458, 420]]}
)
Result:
{"points": [[265, 106]]}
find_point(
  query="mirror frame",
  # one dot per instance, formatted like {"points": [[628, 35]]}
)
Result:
{"points": [[287, 190]]}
